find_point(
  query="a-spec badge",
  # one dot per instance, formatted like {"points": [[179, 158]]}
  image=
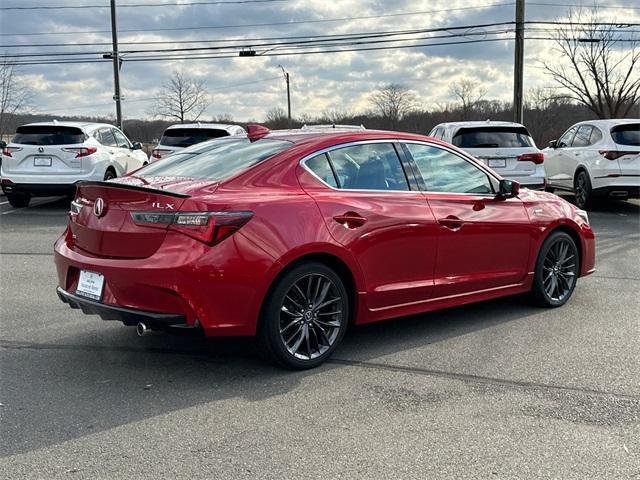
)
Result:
{"points": [[99, 207]]}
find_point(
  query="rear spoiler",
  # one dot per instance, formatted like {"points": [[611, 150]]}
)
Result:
{"points": [[124, 186]]}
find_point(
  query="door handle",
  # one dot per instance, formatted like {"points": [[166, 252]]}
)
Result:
{"points": [[451, 222], [350, 219]]}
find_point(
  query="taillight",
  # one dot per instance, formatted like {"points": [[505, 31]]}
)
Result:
{"points": [[536, 158], [208, 227], [81, 151], [615, 154], [7, 151], [158, 153]]}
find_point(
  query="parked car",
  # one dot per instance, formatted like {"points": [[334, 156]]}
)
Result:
{"points": [[596, 159], [177, 137], [506, 147], [49, 158], [292, 236]]}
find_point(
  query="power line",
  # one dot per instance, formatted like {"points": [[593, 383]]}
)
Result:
{"points": [[595, 6], [136, 5], [271, 24]]}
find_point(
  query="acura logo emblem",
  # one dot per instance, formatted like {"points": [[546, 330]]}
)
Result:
{"points": [[99, 208], [40, 149]]}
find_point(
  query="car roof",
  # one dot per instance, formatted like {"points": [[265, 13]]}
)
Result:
{"points": [[480, 123], [81, 125], [332, 137], [220, 126], [609, 122]]}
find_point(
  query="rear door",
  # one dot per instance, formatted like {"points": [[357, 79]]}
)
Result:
{"points": [[40, 151], [369, 207], [560, 161], [483, 242]]}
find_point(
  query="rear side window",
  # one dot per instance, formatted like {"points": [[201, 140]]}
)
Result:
{"points": [[185, 137], [48, 135], [628, 134], [321, 167], [583, 135], [371, 166], [220, 162], [492, 137], [105, 137]]}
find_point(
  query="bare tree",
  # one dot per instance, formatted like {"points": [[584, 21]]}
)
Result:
{"points": [[469, 93], [393, 102], [597, 65], [181, 98], [15, 94], [277, 118]]}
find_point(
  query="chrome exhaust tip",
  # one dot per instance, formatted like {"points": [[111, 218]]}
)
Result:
{"points": [[143, 330]]}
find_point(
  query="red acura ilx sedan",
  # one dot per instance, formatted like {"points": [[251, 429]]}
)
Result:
{"points": [[294, 235]]}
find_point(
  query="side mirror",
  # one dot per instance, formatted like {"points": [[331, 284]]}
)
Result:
{"points": [[3, 144], [553, 144], [508, 189], [136, 146]]}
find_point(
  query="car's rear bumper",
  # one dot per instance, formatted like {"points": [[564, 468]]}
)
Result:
{"points": [[618, 191], [40, 189], [128, 316]]}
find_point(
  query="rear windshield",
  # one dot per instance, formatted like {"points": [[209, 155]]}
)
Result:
{"points": [[485, 137], [628, 134], [221, 161], [48, 135], [185, 137]]}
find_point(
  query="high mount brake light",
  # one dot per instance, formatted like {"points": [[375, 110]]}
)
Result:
{"points": [[207, 227], [81, 151], [7, 151], [615, 154], [536, 158]]}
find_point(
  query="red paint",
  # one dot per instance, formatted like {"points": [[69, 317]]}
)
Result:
{"points": [[407, 252]]}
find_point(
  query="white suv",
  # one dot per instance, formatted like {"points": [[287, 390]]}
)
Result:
{"points": [[49, 158], [505, 147], [596, 159], [177, 137]]}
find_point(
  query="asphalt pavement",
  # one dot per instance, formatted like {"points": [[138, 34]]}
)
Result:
{"points": [[494, 390]]}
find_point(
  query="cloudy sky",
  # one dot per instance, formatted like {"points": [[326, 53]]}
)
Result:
{"points": [[246, 88]]}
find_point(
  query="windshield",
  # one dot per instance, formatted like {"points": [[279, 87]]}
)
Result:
{"points": [[48, 135], [492, 137], [185, 137], [218, 162], [628, 134]]}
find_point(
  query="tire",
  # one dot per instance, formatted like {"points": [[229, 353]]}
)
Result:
{"points": [[19, 200], [302, 323], [557, 270], [109, 174], [549, 189], [582, 190]]}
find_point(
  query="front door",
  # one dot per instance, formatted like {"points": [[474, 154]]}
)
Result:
{"points": [[483, 241]]}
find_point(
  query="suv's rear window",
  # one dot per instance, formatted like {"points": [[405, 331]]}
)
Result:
{"points": [[185, 137], [220, 162], [48, 135], [492, 137], [628, 134]]}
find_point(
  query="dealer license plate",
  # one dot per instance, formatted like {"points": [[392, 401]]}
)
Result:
{"points": [[90, 285], [42, 161], [497, 163]]}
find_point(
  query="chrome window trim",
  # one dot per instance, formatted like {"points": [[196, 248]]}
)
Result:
{"points": [[303, 164], [465, 157]]}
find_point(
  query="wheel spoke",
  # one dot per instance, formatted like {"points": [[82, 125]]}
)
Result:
{"points": [[282, 330], [567, 259], [296, 345], [300, 307], [328, 302], [322, 295]]}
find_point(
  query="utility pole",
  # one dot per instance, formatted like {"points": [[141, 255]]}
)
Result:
{"points": [[286, 77], [116, 65], [518, 74]]}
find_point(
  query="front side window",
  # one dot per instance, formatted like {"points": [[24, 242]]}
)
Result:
{"points": [[217, 163], [121, 140], [582, 136], [370, 166], [492, 137], [447, 172], [565, 140]]}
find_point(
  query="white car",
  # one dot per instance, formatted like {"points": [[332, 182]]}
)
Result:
{"points": [[596, 159], [48, 158], [505, 147], [177, 137]]}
